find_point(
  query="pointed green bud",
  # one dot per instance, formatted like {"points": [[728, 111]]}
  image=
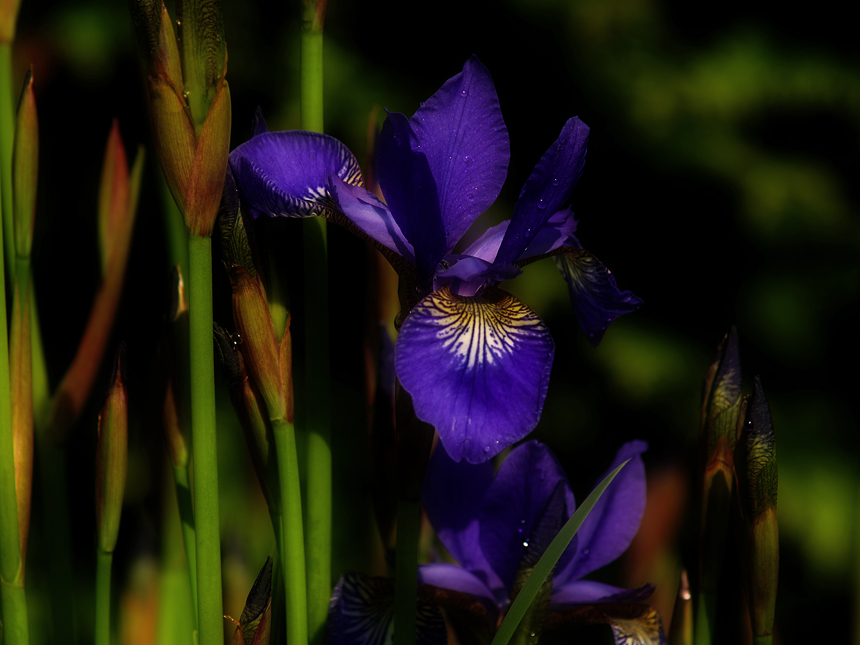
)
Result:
{"points": [[250, 409], [717, 438], [113, 194], [209, 168], [156, 39], [25, 168], [260, 346], [8, 20], [204, 53], [112, 460], [757, 469], [255, 624], [173, 133], [758, 483], [681, 630], [722, 394]]}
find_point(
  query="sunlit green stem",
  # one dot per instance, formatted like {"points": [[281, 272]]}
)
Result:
{"points": [[318, 402], [204, 446], [175, 623], [104, 563], [406, 572], [14, 610], [13, 603], [186, 515], [291, 544], [7, 138]]}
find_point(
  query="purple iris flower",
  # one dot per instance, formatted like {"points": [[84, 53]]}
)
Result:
{"points": [[498, 526], [494, 525], [475, 360]]}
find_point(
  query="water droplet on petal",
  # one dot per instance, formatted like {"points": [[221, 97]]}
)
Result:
{"points": [[585, 552], [464, 93], [486, 449], [468, 161], [541, 205], [520, 530], [471, 198], [555, 182], [526, 544]]}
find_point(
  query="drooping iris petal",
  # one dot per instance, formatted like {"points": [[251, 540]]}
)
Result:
{"points": [[515, 501], [477, 369], [286, 174], [362, 613], [411, 193], [450, 576], [547, 189], [595, 297], [370, 215], [555, 233], [461, 131], [613, 522], [583, 592]]}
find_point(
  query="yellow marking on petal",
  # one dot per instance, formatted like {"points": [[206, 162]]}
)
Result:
{"points": [[481, 329]]}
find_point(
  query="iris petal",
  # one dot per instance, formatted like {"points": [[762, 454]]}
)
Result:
{"points": [[595, 297], [582, 592], [515, 502], [450, 576], [411, 193], [461, 131], [452, 496], [613, 522], [547, 189], [477, 369], [362, 613], [370, 215], [286, 174]]}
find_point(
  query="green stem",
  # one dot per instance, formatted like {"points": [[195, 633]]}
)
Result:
{"points": [[104, 563], [13, 602], [14, 610], [186, 515], [406, 572], [318, 426], [175, 623], [291, 544], [204, 446], [318, 400], [7, 139], [312, 72], [705, 617]]}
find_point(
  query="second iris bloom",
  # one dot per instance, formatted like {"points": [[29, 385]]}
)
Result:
{"points": [[475, 360]]}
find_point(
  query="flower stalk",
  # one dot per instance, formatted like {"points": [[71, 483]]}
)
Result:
{"points": [[189, 104], [111, 469], [318, 401]]}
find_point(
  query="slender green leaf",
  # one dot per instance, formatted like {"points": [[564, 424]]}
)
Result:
{"points": [[549, 559]]}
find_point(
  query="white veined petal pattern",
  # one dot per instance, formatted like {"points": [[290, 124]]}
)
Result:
{"points": [[477, 369]]}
